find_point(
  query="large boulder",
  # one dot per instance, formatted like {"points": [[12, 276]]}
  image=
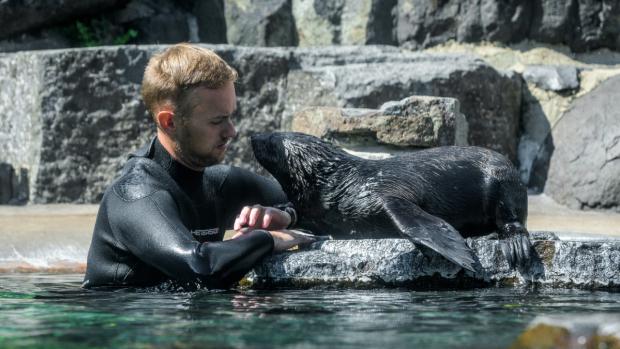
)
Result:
{"points": [[489, 99], [580, 24], [346, 22], [210, 20], [552, 21], [426, 23], [585, 166], [267, 23]]}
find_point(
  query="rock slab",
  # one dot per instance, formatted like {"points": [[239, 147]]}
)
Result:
{"points": [[413, 122], [397, 263]]}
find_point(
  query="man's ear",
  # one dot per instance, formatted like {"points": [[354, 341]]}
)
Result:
{"points": [[165, 120]]}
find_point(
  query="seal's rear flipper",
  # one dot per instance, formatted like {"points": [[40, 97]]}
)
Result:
{"points": [[430, 231]]}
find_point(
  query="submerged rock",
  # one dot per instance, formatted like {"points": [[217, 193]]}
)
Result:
{"points": [[571, 332], [398, 263]]}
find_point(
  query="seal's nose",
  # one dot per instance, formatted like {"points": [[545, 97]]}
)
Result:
{"points": [[258, 140], [262, 146], [259, 136]]}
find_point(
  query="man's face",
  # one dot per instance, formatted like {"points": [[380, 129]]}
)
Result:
{"points": [[203, 135]]}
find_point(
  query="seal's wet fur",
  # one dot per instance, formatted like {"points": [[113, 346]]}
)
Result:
{"points": [[434, 197]]}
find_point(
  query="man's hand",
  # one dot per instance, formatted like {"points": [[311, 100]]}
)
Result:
{"points": [[261, 217], [285, 239]]}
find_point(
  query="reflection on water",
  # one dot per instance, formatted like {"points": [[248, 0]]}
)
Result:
{"points": [[51, 311]]}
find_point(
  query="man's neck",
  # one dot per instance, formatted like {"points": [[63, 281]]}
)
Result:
{"points": [[169, 145]]}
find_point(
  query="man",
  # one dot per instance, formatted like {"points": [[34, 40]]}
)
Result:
{"points": [[164, 218]]}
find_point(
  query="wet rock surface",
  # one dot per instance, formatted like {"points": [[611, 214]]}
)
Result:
{"points": [[397, 263], [413, 122], [584, 167]]}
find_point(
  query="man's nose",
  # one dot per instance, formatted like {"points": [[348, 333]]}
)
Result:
{"points": [[230, 131]]}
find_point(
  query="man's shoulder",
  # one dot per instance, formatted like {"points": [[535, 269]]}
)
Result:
{"points": [[141, 177]]}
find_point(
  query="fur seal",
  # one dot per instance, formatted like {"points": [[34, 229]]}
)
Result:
{"points": [[433, 197]]}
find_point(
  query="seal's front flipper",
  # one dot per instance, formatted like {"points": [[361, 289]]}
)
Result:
{"points": [[430, 231], [515, 244]]}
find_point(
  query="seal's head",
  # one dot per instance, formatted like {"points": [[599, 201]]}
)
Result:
{"points": [[298, 161]]}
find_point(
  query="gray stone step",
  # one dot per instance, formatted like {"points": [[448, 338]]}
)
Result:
{"points": [[568, 262]]}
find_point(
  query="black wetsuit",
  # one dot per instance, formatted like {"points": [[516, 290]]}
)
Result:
{"points": [[161, 221]]}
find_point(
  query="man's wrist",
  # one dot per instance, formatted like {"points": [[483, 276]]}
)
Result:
{"points": [[293, 216], [288, 208]]}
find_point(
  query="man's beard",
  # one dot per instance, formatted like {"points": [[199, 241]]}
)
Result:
{"points": [[183, 150]]}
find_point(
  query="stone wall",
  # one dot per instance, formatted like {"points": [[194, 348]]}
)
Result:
{"points": [[73, 115], [579, 24], [70, 117]]}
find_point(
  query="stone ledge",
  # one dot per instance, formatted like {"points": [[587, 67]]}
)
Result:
{"points": [[397, 263], [413, 122]]}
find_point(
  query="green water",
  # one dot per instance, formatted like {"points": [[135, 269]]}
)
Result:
{"points": [[51, 311]]}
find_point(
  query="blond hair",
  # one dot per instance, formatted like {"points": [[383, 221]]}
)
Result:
{"points": [[170, 75]]}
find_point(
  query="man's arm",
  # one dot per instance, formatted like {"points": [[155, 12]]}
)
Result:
{"points": [[152, 230]]}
